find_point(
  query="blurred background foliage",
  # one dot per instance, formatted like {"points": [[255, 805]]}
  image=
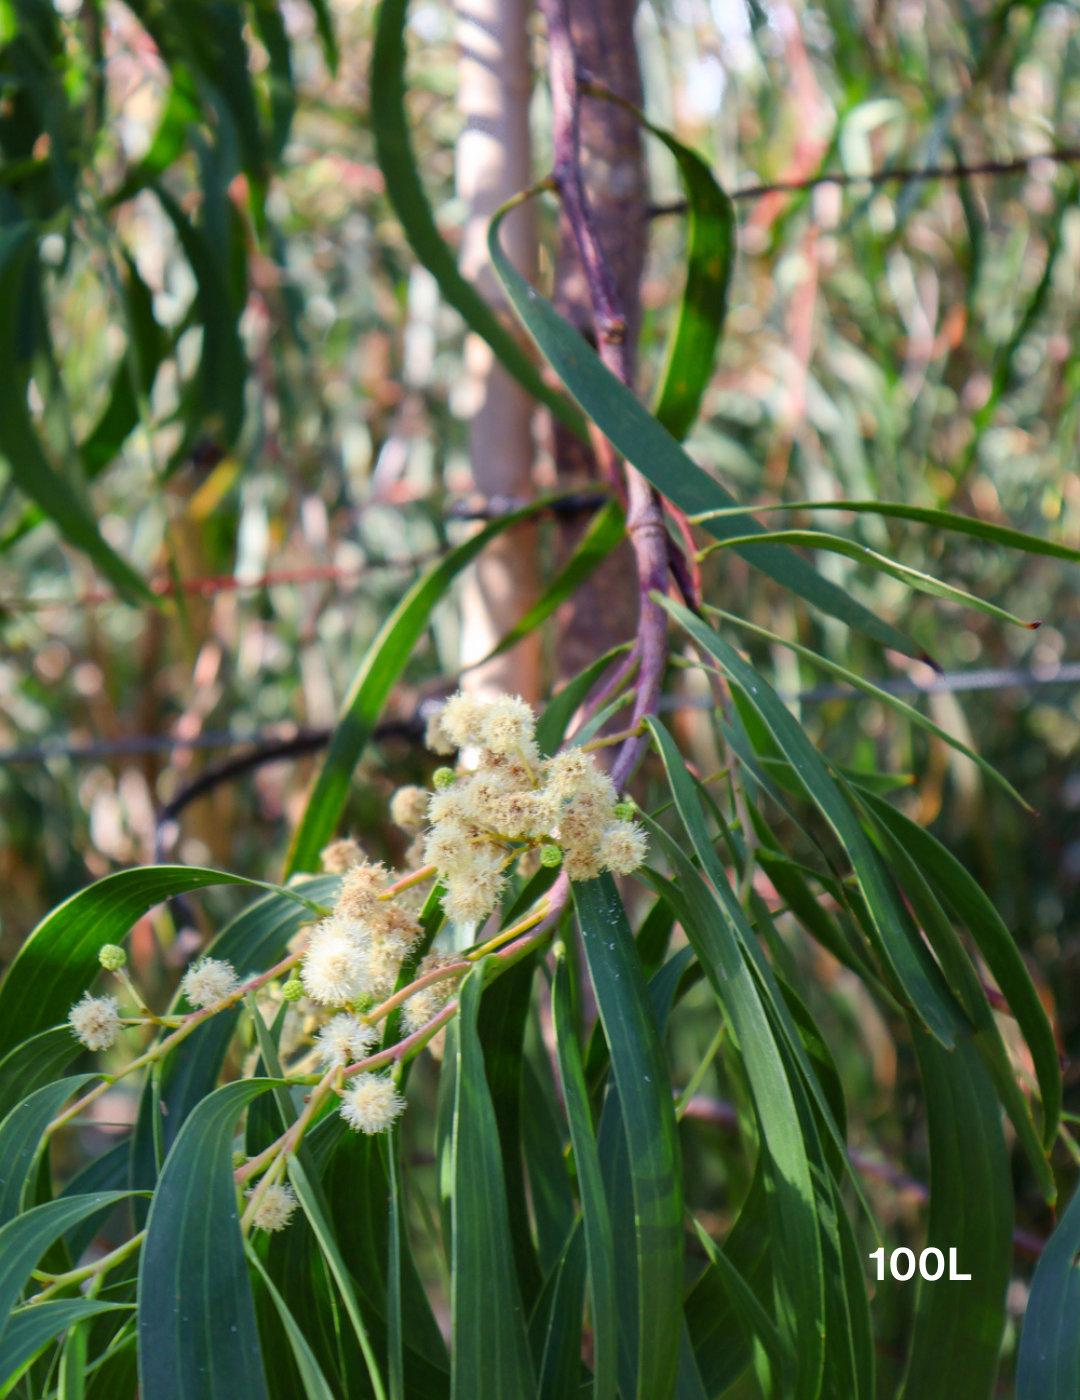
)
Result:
{"points": [[300, 409]]}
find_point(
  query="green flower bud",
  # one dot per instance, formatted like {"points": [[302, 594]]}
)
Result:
{"points": [[624, 811], [238, 1159], [443, 777], [551, 856], [293, 989], [112, 956]]}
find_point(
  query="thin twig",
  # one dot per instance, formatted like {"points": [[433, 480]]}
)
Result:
{"points": [[902, 175]]}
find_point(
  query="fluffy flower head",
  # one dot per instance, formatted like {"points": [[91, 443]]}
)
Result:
{"points": [[408, 808], [341, 855], [360, 889], [371, 1103], [95, 1021], [209, 980], [275, 1209], [623, 848], [334, 969], [344, 1040], [429, 1001]]}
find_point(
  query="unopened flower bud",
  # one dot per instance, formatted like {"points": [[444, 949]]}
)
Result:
{"points": [[238, 1159], [551, 856], [624, 811], [293, 989], [111, 956], [443, 777]]}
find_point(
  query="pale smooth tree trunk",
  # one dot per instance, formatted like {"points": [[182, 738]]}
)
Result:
{"points": [[494, 162]]}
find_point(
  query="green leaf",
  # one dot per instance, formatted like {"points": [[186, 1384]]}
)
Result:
{"points": [[645, 443], [504, 1010], [491, 1354], [851, 549], [792, 1201], [753, 1319], [556, 1324], [605, 531], [133, 379], [958, 888], [852, 678], [59, 960], [907, 959], [379, 670], [598, 1236], [324, 23], [30, 469], [20, 1137], [197, 1331], [32, 1328], [1048, 1366], [35, 1062], [397, 1227], [223, 365], [710, 255], [957, 1333], [26, 1238], [311, 1376], [549, 1181], [940, 519], [558, 712], [644, 1087], [308, 1196], [393, 150]]}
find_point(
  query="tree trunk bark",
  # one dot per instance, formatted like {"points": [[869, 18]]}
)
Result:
{"points": [[494, 162], [604, 611]]}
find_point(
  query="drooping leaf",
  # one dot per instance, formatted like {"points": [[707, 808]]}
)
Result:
{"points": [[959, 889], [645, 1100], [645, 443], [556, 1323], [20, 1138], [597, 1223], [393, 149], [907, 960], [1048, 1366], [35, 1062], [491, 1355], [559, 711], [59, 960], [314, 1382], [31, 470], [32, 1328], [383, 663], [197, 1330], [26, 1238], [956, 1338]]}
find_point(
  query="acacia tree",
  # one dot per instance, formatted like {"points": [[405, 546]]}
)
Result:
{"points": [[266, 1244]]}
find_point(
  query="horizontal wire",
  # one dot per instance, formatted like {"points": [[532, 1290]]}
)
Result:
{"points": [[134, 745]]}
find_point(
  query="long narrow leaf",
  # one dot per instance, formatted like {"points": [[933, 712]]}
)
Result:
{"points": [[393, 149], [1048, 1367], [641, 1077], [635, 433], [598, 1238]]}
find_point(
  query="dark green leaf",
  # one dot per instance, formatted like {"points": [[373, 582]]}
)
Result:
{"points": [[556, 1324], [26, 1238], [644, 1088], [549, 1181], [908, 960], [311, 1376], [35, 1062], [59, 960], [197, 1331], [20, 1137], [491, 1356], [1048, 1367], [32, 1328], [558, 712], [957, 1335], [635, 433], [598, 1235]]}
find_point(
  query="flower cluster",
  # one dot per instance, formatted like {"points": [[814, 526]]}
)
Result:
{"points": [[514, 801], [371, 1103], [275, 1208], [353, 957]]}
